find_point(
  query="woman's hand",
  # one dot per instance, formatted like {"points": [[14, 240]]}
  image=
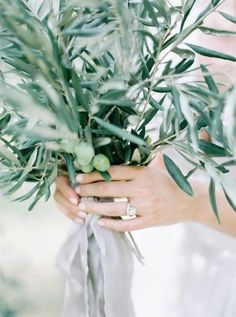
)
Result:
{"points": [[158, 200], [150, 190], [67, 200]]}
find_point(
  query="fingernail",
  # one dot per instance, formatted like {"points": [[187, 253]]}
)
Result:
{"points": [[79, 178], [74, 201], [82, 206], [101, 223], [79, 221], [77, 189], [82, 214]]}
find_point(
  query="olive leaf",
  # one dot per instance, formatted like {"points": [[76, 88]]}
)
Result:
{"points": [[211, 53], [228, 17], [177, 175], [212, 195]]}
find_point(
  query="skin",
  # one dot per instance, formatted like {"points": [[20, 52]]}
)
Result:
{"points": [[158, 200]]}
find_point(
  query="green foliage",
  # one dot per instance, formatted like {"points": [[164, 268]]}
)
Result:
{"points": [[177, 175], [99, 73]]}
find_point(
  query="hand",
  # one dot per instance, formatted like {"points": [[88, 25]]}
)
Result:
{"points": [[140, 179], [150, 190], [67, 200]]}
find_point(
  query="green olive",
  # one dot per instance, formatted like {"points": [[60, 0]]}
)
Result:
{"points": [[87, 168], [101, 162], [82, 161], [84, 153]]}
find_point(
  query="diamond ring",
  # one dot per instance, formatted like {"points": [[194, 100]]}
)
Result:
{"points": [[131, 210]]}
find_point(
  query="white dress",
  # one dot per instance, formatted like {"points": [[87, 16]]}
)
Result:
{"points": [[207, 274], [190, 271]]}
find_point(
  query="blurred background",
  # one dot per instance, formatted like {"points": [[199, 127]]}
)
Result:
{"points": [[30, 284]]}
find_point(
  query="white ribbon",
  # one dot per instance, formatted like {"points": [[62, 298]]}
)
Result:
{"points": [[98, 266]]}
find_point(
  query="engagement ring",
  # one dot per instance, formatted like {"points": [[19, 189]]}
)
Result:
{"points": [[131, 210]]}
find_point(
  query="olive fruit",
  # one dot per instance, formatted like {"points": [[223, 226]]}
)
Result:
{"points": [[101, 162], [87, 168], [84, 153]]}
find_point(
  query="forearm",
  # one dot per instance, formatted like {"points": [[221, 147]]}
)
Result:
{"points": [[201, 210]]}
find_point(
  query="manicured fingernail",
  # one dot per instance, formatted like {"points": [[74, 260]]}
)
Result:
{"points": [[77, 189], [79, 178], [74, 201], [82, 214], [79, 221], [101, 223], [82, 206]]}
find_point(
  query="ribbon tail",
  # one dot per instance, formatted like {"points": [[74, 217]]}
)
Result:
{"points": [[98, 269]]}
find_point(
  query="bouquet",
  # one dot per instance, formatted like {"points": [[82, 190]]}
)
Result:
{"points": [[84, 84]]}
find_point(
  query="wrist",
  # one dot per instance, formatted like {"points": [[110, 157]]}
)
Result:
{"points": [[200, 207], [189, 206]]}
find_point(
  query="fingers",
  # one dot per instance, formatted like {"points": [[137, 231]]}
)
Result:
{"points": [[105, 189], [117, 173], [68, 208], [64, 186], [107, 209], [123, 225]]}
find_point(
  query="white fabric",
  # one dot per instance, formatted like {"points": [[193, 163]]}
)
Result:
{"points": [[207, 272], [206, 282], [98, 268]]}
